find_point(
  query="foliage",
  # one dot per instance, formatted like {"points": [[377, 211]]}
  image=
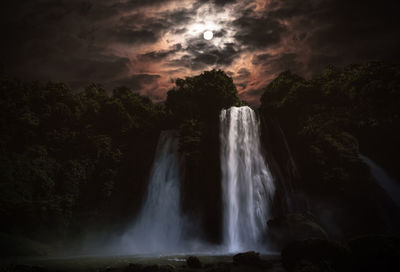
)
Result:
{"points": [[203, 96], [68, 159], [332, 118]]}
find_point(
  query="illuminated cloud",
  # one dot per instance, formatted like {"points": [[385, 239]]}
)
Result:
{"points": [[146, 45]]}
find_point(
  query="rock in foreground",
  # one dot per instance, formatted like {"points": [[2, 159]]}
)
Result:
{"points": [[375, 253], [316, 255], [193, 262], [247, 258], [294, 227]]}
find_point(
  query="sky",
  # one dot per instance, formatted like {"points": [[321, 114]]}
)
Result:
{"points": [[147, 44]]}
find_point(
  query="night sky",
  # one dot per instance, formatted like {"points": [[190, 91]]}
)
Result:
{"points": [[147, 44]]}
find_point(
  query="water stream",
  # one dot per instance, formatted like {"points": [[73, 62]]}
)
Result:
{"points": [[158, 227], [247, 183]]}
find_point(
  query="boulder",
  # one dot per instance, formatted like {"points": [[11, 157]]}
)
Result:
{"points": [[133, 267], [375, 253], [294, 227], [193, 262], [316, 255], [149, 268], [247, 258], [113, 269], [217, 267]]}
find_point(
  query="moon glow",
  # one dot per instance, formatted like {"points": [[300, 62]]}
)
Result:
{"points": [[208, 35]]}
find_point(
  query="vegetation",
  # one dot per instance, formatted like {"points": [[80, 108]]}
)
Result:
{"points": [[70, 159], [328, 121]]}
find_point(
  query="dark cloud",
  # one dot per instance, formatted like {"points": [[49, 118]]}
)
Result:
{"points": [[341, 32], [140, 36], [209, 54], [218, 2], [257, 32], [224, 2], [186, 61], [135, 82], [139, 28], [286, 62], [160, 55], [357, 30], [243, 73], [199, 55], [134, 4], [220, 33], [179, 16], [261, 59]]}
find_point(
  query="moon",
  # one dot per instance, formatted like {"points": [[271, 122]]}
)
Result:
{"points": [[208, 35]]}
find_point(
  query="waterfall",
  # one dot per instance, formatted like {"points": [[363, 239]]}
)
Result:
{"points": [[385, 181], [158, 228], [247, 183]]}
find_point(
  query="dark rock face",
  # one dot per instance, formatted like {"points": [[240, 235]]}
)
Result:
{"points": [[295, 226], [247, 258], [375, 253], [193, 262], [316, 255]]}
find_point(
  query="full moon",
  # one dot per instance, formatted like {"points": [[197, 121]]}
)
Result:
{"points": [[208, 35]]}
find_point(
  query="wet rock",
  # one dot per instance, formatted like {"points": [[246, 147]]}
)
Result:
{"points": [[113, 269], [132, 267], [149, 268], [217, 267], [158, 268], [375, 253], [316, 255], [295, 226], [247, 258], [193, 262]]}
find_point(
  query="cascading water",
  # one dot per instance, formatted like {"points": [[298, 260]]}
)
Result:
{"points": [[158, 228], [389, 184], [247, 183]]}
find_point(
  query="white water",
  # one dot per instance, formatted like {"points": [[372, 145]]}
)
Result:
{"points": [[158, 228], [389, 184], [247, 183]]}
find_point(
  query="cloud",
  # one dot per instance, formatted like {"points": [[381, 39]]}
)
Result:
{"points": [[258, 32], [243, 73], [138, 36], [146, 44], [261, 59], [135, 82], [160, 55]]}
